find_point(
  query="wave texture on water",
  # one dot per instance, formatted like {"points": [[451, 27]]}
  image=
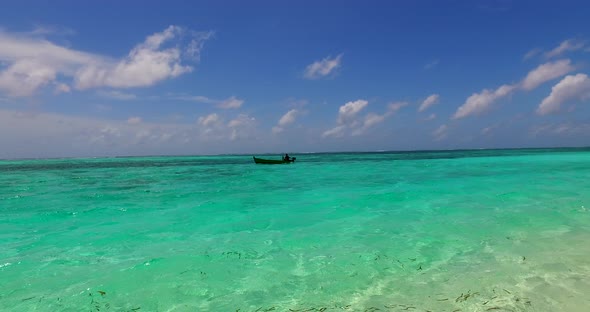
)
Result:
{"points": [[413, 231]]}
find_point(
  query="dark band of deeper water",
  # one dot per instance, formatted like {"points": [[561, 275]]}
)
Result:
{"points": [[190, 161]]}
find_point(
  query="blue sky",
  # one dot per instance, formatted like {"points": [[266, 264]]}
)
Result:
{"points": [[83, 78]]}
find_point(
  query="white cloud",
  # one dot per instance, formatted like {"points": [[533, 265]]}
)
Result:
{"points": [[348, 111], [571, 87], [33, 62], [16, 47], [373, 119], [215, 128], [209, 120], [393, 107], [49, 134], [429, 101], [243, 120], [194, 48], [546, 72], [285, 120], [242, 127], [288, 118], [41, 134], [566, 46], [370, 120], [117, 95], [134, 120], [25, 76], [337, 131], [105, 134], [323, 68], [231, 103], [478, 103], [440, 133], [349, 119], [145, 65]]}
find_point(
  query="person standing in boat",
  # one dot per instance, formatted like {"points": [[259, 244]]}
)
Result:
{"points": [[287, 158]]}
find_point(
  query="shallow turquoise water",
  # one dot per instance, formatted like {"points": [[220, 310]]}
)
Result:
{"points": [[427, 231]]}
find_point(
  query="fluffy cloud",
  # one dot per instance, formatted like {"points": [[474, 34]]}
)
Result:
{"points": [[243, 120], [288, 118], [370, 120], [571, 87], [209, 120], [348, 111], [348, 118], [242, 127], [323, 68], [429, 101], [393, 107], [145, 65], [337, 132], [566, 46], [41, 134], [478, 103], [546, 72], [31, 63], [440, 133], [215, 128], [230, 103], [25, 76]]}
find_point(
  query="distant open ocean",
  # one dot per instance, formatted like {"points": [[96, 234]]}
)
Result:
{"points": [[486, 230]]}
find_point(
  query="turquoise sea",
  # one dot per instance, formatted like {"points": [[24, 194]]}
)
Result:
{"points": [[487, 230]]}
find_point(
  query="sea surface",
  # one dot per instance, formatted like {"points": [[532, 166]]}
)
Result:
{"points": [[486, 230]]}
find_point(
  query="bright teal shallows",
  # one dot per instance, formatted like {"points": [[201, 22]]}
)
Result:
{"points": [[439, 231]]}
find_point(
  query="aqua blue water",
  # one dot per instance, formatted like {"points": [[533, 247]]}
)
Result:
{"points": [[425, 231]]}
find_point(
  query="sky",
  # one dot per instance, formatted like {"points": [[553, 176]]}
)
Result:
{"points": [[131, 78]]}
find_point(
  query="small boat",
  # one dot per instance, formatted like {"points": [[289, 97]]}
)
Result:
{"points": [[272, 161]]}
